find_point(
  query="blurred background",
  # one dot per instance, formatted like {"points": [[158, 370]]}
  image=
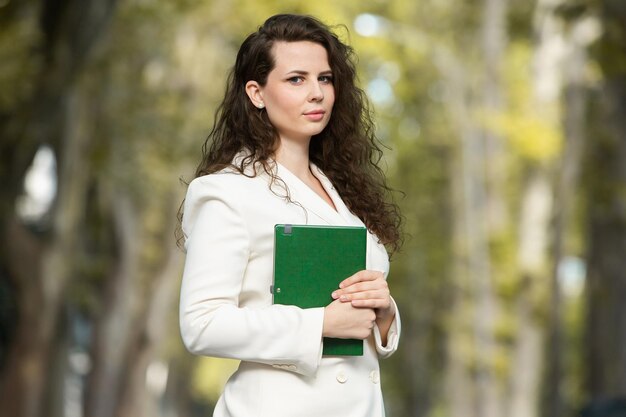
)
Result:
{"points": [[505, 123]]}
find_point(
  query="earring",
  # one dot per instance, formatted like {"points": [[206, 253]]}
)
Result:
{"points": [[260, 105]]}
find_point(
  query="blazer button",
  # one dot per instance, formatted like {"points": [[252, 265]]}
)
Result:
{"points": [[375, 377], [341, 377], [293, 368]]}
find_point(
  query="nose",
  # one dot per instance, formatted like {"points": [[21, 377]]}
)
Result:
{"points": [[316, 93]]}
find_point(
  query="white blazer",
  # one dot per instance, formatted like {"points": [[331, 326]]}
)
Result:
{"points": [[226, 306]]}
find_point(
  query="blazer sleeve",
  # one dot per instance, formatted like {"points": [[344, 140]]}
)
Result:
{"points": [[393, 335], [212, 322]]}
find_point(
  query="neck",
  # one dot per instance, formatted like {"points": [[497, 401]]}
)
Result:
{"points": [[294, 157]]}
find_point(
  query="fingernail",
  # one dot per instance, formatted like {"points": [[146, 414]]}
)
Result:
{"points": [[343, 298], [334, 294], [341, 285]]}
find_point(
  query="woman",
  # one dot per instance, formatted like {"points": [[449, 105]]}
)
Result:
{"points": [[292, 143]]}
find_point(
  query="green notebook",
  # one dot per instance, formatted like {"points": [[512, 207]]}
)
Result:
{"points": [[309, 264]]}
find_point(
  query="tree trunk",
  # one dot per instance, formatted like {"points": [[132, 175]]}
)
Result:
{"points": [[130, 330], [114, 327], [560, 63], [605, 367], [473, 295], [142, 396], [536, 211], [532, 259], [547, 66], [486, 209], [417, 339], [39, 265], [494, 40]]}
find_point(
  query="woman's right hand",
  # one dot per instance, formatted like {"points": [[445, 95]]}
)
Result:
{"points": [[343, 321]]}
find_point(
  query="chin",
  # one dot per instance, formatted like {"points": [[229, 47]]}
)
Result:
{"points": [[319, 130]]}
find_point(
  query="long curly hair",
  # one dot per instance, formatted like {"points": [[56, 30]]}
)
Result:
{"points": [[347, 150]]}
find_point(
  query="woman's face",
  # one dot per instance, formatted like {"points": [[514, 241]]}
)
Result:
{"points": [[299, 93]]}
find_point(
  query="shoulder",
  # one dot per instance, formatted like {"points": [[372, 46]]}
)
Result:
{"points": [[228, 186], [216, 197], [225, 183], [231, 182]]}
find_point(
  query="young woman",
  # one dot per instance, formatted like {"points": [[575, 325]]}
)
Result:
{"points": [[292, 143]]}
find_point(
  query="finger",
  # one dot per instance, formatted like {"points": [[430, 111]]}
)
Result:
{"points": [[376, 285], [366, 295], [352, 289], [371, 303], [364, 275]]}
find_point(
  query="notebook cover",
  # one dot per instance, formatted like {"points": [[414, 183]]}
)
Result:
{"points": [[309, 264]]}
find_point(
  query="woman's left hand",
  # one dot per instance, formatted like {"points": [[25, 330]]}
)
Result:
{"points": [[367, 289]]}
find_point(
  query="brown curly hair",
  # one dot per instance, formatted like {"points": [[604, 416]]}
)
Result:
{"points": [[347, 150]]}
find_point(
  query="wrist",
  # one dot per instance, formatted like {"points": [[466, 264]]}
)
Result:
{"points": [[326, 324], [385, 315]]}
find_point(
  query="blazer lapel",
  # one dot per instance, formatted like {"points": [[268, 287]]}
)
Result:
{"points": [[302, 194], [342, 209]]}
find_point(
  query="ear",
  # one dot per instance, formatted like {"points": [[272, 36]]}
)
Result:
{"points": [[253, 90]]}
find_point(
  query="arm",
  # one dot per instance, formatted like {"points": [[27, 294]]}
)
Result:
{"points": [[211, 321]]}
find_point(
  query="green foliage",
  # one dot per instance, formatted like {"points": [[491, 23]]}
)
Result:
{"points": [[210, 375], [532, 132], [20, 64], [158, 78]]}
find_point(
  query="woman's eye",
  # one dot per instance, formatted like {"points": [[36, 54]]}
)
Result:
{"points": [[295, 80], [328, 79]]}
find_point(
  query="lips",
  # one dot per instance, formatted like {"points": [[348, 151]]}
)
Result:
{"points": [[315, 115], [314, 112]]}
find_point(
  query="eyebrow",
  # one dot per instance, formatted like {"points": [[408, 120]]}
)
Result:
{"points": [[300, 72]]}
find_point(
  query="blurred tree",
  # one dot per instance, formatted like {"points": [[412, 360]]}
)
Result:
{"points": [[605, 180], [563, 56], [48, 113], [487, 152]]}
